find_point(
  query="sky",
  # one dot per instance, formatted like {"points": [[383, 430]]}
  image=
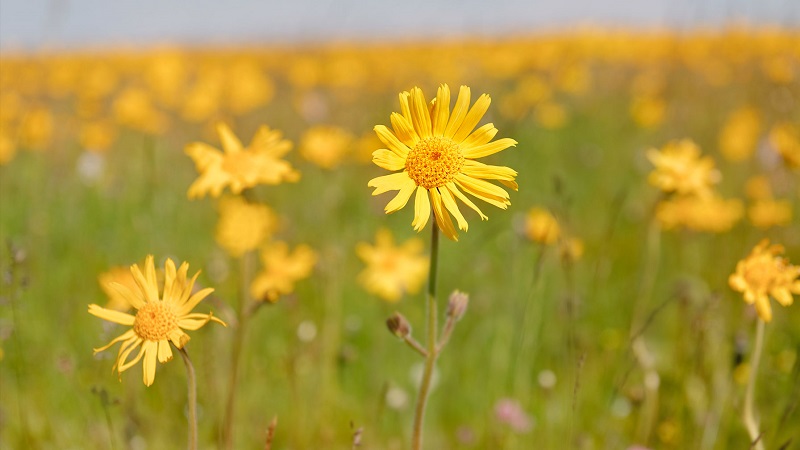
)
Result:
{"points": [[33, 24]]}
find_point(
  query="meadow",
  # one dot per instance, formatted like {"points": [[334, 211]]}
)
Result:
{"points": [[601, 314]]}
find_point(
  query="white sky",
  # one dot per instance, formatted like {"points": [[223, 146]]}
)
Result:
{"points": [[93, 23]]}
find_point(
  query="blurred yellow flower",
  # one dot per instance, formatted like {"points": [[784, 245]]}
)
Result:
{"points": [[240, 167], [36, 129], [758, 187], [571, 249], [8, 149], [648, 111], [550, 115], [325, 145], [785, 137], [281, 270], [392, 270], [160, 318], [712, 214], [763, 274], [243, 226], [739, 135], [680, 169], [120, 275], [541, 226], [767, 212], [97, 135], [435, 149], [134, 108], [248, 87]]}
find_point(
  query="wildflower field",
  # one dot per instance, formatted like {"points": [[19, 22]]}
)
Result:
{"points": [[575, 240]]}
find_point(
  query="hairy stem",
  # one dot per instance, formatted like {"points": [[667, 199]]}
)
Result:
{"points": [[430, 359], [748, 415], [191, 382]]}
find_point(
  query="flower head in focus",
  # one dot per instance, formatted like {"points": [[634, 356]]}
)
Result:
{"points": [[763, 274], [434, 149], [161, 317], [239, 167], [392, 270]]}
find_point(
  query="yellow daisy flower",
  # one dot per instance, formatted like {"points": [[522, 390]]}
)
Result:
{"points": [[680, 169], [282, 270], [392, 270], [160, 318], [240, 167], [541, 226], [435, 149], [763, 274], [243, 226]]}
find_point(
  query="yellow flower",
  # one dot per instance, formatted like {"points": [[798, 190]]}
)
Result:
{"points": [[134, 108], [712, 214], [739, 136], [36, 129], [435, 149], [282, 270], [325, 145], [238, 167], [763, 274], [248, 87], [392, 270], [767, 212], [243, 226], [98, 135], [785, 137], [120, 275], [571, 249], [550, 115], [541, 226], [8, 149], [758, 187], [679, 168], [160, 318], [648, 111]]}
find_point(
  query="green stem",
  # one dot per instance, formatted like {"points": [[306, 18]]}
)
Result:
{"points": [[748, 415], [244, 313], [191, 382], [430, 359]]}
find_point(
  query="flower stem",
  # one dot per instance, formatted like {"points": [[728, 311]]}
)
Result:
{"points": [[244, 313], [430, 359], [191, 382], [748, 415]]}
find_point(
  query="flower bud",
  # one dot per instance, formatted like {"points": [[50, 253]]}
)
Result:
{"points": [[398, 325], [457, 305]]}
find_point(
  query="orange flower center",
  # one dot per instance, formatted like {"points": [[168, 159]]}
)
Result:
{"points": [[155, 321], [434, 161]]}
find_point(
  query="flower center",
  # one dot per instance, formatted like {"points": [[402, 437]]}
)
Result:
{"points": [[154, 321], [434, 161], [761, 273]]}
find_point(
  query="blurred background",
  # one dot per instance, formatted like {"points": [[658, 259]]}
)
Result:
{"points": [[600, 317]]}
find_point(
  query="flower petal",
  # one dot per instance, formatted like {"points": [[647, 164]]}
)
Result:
{"points": [[441, 111], [456, 192], [400, 200], [134, 300], [474, 116], [164, 351], [387, 183], [388, 160], [230, 143], [404, 130], [489, 149], [149, 363], [122, 337], [196, 298], [391, 141], [111, 315], [442, 218], [459, 112], [420, 117], [450, 204], [422, 209], [481, 136]]}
